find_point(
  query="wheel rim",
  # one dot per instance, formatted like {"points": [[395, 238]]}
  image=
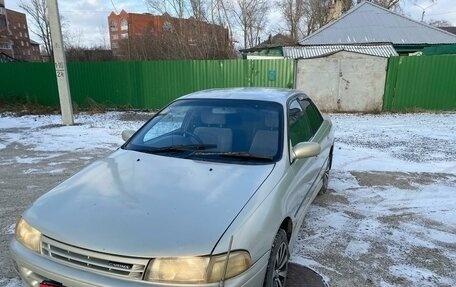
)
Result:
{"points": [[281, 266]]}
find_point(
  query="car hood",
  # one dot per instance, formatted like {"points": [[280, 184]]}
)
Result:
{"points": [[147, 205]]}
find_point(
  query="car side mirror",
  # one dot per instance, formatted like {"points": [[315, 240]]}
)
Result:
{"points": [[306, 149], [126, 134]]}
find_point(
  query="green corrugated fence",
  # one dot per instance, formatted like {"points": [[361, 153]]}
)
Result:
{"points": [[421, 83], [142, 85]]}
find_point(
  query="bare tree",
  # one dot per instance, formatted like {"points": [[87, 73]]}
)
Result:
{"points": [[250, 17], [176, 8], [439, 23], [303, 17], [212, 11], [38, 12], [293, 13], [103, 36], [316, 13], [191, 30], [199, 9], [346, 5], [72, 38], [388, 4]]}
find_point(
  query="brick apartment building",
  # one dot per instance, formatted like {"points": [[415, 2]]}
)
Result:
{"points": [[6, 45], [14, 36], [146, 36]]}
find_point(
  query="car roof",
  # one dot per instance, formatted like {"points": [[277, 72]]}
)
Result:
{"points": [[264, 94]]}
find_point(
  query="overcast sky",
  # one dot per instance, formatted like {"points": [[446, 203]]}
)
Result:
{"points": [[88, 23]]}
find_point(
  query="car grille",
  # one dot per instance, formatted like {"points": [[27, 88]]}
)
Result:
{"points": [[129, 268]]}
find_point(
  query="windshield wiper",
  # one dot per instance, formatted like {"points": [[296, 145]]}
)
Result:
{"points": [[188, 147], [233, 154]]}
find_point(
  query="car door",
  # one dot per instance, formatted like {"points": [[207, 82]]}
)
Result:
{"points": [[302, 172]]}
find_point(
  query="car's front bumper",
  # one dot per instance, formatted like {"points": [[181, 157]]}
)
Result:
{"points": [[34, 269]]}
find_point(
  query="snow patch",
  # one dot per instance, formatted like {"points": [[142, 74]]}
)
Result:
{"points": [[418, 275], [356, 248], [14, 282], [46, 133], [9, 230]]}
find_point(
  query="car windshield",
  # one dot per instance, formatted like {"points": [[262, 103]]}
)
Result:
{"points": [[239, 131]]}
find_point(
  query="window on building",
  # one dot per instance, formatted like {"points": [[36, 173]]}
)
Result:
{"points": [[20, 34], [4, 45], [2, 11], [27, 44], [115, 36], [124, 36], [124, 24], [22, 43], [167, 26], [113, 26], [2, 22]]}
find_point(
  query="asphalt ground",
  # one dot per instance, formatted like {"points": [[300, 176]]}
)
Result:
{"points": [[300, 276]]}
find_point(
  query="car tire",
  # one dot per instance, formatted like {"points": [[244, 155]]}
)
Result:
{"points": [[325, 177], [276, 272]]}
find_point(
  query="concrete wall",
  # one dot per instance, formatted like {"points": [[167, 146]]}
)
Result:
{"points": [[344, 81]]}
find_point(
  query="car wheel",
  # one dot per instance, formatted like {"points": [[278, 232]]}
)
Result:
{"points": [[325, 177], [276, 273]]}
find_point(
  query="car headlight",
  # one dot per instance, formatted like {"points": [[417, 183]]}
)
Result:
{"points": [[198, 270], [27, 235]]}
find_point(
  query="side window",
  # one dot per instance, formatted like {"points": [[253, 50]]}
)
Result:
{"points": [[298, 129], [313, 115]]}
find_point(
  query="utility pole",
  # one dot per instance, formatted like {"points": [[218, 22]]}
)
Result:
{"points": [[60, 63]]}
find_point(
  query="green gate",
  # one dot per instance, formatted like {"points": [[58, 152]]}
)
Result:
{"points": [[421, 83]]}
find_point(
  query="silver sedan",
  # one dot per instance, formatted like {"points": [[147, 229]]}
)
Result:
{"points": [[209, 192]]}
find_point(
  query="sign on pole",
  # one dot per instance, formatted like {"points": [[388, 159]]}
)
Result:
{"points": [[60, 63]]}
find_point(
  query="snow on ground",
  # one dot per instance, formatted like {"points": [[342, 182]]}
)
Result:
{"points": [[389, 217], [387, 220], [396, 142], [46, 133]]}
